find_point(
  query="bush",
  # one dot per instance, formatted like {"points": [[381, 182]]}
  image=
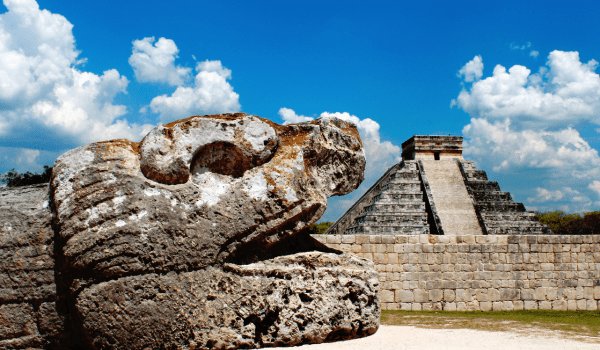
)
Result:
{"points": [[591, 222], [320, 228], [571, 224], [14, 179]]}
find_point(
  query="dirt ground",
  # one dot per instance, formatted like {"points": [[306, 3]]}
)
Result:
{"points": [[418, 338]]}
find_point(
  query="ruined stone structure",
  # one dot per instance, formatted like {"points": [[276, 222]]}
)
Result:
{"points": [[444, 237], [480, 272], [433, 190], [193, 238]]}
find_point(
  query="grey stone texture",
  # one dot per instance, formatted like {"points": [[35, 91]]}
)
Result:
{"points": [[178, 242], [395, 204], [496, 209], [480, 272], [303, 298], [397, 207], [26, 267]]}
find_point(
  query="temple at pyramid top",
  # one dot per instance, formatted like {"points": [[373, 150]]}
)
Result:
{"points": [[432, 147], [434, 190]]}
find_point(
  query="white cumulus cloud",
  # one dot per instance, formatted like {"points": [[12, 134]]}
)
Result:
{"points": [[473, 70], [289, 116], [595, 186], [557, 158], [544, 195], [562, 93], [211, 93], [523, 122], [499, 147], [46, 101], [155, 62]]}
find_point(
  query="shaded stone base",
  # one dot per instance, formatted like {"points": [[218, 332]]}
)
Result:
{"points": [[289, 300]]}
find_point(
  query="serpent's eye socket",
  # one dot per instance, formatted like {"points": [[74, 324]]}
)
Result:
{"points": [[224, 158]]}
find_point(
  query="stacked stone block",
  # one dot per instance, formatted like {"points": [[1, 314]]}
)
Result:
{"points": [[482, 272], [496, 209], [396, 207]]}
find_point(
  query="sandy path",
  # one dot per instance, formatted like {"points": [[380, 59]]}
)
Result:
{"points": [[412, 338]]}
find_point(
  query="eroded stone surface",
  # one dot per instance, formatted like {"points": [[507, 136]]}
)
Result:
{"points": [[175, 242], [114, 221], [26, 266], [302, 298]]}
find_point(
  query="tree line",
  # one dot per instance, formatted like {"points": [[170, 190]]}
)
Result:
{"points": [[14, 179], [562, 223]]}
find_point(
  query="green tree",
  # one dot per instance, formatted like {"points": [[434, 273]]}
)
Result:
{"points": [[319, 228], [591, 223], [562, 223]]}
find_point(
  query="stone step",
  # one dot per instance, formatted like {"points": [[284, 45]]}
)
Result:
{"points": [[397, 196], [500, 214], [410, 218], [396, 207], [404, 187], [492, 196], [519, 230], [476, 175], [502, 207], [408, 175], [404, 181], [516, 216], [451, 197], [506, 223], [388, 230], [468, 165], [483, 185], [408, 165]]}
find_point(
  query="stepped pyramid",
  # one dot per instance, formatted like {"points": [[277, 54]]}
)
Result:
{"points": [[433, 190]]}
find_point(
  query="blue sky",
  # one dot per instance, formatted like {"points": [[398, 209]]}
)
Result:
{"points": [[77, 72]]}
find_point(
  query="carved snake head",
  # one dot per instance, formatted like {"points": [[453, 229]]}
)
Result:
{"points": [[194, 191]]}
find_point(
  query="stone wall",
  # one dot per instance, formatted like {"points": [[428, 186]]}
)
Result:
{"points": [[492, 272]]}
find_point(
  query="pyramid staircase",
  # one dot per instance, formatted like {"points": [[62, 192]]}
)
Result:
{"points": [[496, 209]]}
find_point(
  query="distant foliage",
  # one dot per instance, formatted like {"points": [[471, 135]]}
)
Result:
{"points": [[572, 224], [14, 179], [319, 228]]}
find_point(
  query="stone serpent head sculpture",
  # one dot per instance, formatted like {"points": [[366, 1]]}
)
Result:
{"points": [[179, 241]]}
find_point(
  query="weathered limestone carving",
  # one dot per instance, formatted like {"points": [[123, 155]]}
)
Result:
{"points": [[176, 242]]}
